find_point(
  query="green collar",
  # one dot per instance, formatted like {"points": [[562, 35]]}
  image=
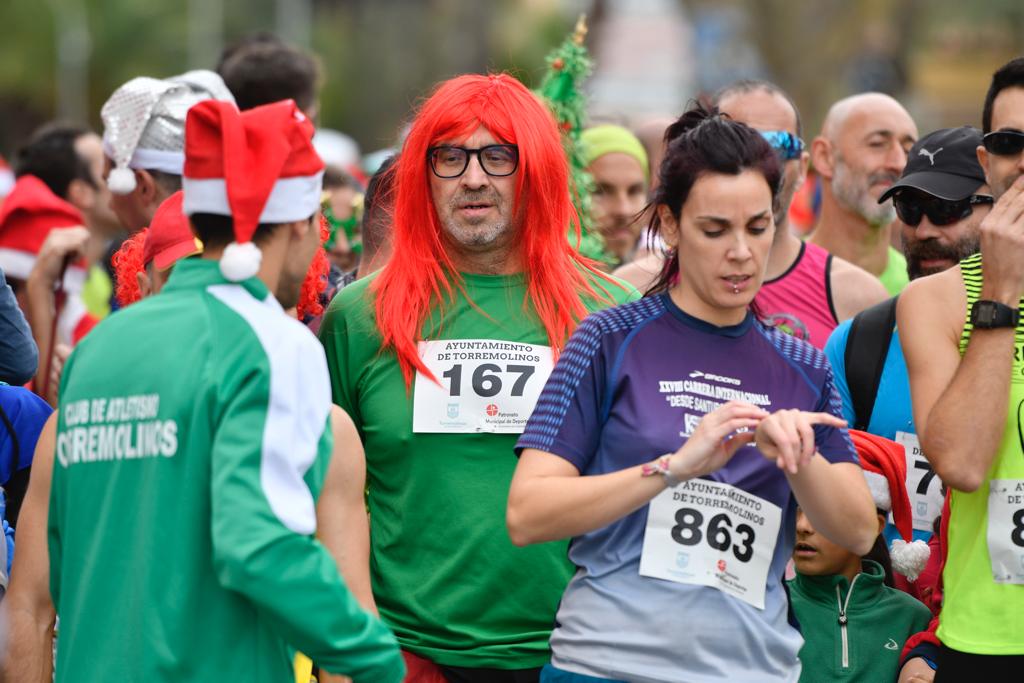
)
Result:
{"points": [[200, 273], [493, 281], [870, 584]]}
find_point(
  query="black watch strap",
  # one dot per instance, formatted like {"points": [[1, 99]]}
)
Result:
{"points": [[986, 315]]}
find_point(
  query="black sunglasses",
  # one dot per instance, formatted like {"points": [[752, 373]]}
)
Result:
{"points": [[449, 161], [911, 207], [1004, 142]]}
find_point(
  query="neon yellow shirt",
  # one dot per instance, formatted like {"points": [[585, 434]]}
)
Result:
{"points": [[979, 615], [895, 277]]}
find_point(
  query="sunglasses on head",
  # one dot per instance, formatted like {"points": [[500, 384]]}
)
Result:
{"points": [[912, 206], [1004, 142], [785, 144]]}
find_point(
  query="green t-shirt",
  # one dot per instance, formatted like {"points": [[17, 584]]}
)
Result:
{"points": [[446, 577], [193, 438], [894, 278]]}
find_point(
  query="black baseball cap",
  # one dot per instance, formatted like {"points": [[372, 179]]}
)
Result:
{"points": [[944, 164]]}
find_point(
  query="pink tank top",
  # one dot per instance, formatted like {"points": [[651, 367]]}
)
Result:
{"points": [[800, 300]]}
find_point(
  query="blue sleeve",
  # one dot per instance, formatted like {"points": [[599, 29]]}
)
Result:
{"points": [[567, 419], [927, 651], [834, 444], [22, 416], [18, 354], [835, 350]]}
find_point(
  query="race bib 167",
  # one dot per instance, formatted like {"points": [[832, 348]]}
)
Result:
{"points": [[487, 385]]}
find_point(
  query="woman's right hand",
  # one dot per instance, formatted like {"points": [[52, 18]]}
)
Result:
{"points": [[716, 439]]}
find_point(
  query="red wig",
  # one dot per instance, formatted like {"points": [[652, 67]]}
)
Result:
{"points": [[416, 277], [316, 279], [127, 262]]}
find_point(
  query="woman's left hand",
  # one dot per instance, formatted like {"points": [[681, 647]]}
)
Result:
{"points": [[787, 437]]}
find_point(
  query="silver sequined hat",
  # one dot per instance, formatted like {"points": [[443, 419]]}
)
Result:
{"points": [[144, 123]]}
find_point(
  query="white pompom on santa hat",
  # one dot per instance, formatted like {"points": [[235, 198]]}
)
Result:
{"points": [[885, 469], [257, 166]]}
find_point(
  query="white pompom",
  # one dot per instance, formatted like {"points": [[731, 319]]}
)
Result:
{"points": [[240, 261], [909, 559], [121, 180]]}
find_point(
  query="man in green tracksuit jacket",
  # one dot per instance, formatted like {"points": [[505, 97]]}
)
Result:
{"points": [[193, 435]]}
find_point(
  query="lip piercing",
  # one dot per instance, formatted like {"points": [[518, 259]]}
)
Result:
{"points": [[735, 288]]}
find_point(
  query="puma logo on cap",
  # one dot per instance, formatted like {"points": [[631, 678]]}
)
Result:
{"points": [[931, 155]]}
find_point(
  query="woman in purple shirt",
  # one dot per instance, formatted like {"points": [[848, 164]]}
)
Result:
{"points": [[675, 439]]}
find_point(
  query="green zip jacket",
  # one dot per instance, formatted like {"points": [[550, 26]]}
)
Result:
{"points": [[878, 620], [192, 441]]}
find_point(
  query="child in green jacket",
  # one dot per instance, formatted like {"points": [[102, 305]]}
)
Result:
{"points": [[853, 621]]}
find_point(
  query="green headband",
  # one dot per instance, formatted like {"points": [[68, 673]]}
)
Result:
{"points": [[601, 140]]}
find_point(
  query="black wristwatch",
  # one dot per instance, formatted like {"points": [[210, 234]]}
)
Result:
{"points": [[987, 315]]}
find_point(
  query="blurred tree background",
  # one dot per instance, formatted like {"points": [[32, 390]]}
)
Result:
{"points": [[936, 56], [62, 58]]}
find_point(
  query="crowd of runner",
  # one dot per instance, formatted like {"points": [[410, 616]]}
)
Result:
{"points": [[269, 418]]}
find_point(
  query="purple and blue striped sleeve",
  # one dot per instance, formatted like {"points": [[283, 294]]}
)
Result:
{"points": [[566, 420]]}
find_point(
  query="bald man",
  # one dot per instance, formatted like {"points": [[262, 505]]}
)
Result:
{"points": [[860, 153]]}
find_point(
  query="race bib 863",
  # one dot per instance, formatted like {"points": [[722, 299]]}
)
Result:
{"points": [[712, 534], [487, 385]]}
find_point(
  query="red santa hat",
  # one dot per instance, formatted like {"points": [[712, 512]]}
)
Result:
{"points": [[27, 216], [257, 166], [170, 238], [885, 469]]}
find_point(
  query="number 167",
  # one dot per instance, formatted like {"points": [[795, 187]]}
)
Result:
{"points": [[486, 380]]}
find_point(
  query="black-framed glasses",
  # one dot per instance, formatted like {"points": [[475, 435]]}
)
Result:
{"points": [[785, 144], [449, 161], [1004, 142], [911, 207]]}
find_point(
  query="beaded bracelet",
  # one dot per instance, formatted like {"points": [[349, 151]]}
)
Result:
{"points": [[660, 466]]}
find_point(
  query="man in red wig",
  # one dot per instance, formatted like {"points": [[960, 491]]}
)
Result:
{"points": [[439, 359]]}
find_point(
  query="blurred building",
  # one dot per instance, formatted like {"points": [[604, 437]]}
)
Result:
{"points": [[644, 59]]}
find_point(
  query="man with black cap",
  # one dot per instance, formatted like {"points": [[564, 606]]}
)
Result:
{"points": [[940, 199]]}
